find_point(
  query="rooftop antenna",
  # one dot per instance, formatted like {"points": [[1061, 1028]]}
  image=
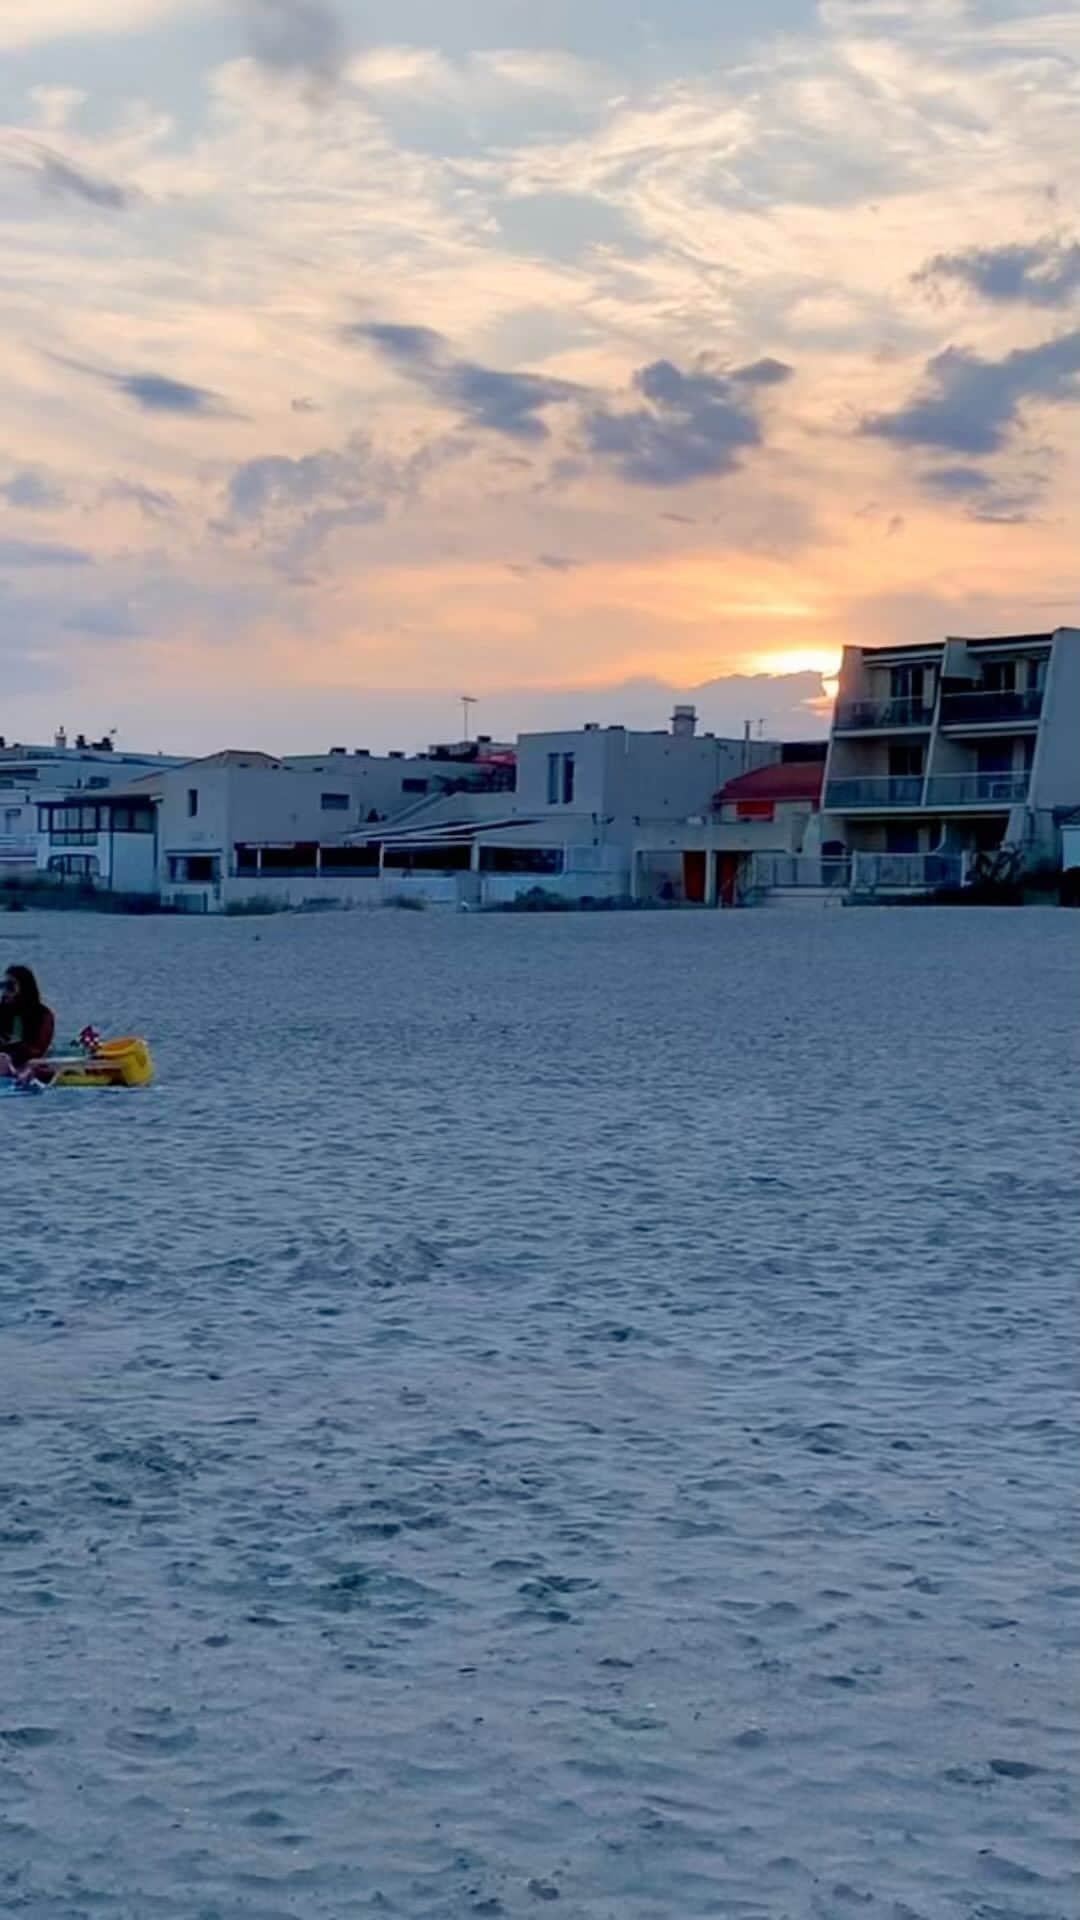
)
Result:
{"points": [[467, 700]]}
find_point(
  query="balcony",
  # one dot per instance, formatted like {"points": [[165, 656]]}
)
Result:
{"points": [[977, 789], [882, 716], [880, 795], [990, 709]]}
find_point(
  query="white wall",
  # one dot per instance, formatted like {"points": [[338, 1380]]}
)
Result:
{"points": [[621, 775], [1055, 776]]}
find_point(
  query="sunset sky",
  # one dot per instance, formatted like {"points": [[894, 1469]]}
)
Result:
{"points": [[358, 354]]}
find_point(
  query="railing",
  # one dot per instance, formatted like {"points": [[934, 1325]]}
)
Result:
{"points": [[989, 709], [768, 870], [977, 789], [858, 716], [15, 850], [847, 796], [905, 872]]}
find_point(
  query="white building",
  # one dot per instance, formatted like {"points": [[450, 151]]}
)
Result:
{"points": [[212, 833], [31, 775], [959, 748], [599, 813]]}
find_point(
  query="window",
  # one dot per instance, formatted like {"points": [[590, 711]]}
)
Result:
{"points": [[74, 866], [192, 802], [560, 779], [521, 859], [134, 819], [193, 867], [902, 839], [995, 756], [414, 786], [71, 826], [999, 676], [1036, 671], [334, 802], [906, 683], [905, 762]]}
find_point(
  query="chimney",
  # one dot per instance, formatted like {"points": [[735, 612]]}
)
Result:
{"points": [[60, 740], [684, 723]]}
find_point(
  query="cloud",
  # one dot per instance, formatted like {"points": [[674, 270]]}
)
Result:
{"points": [[33, 491], [690, 426], [157, 392], [1045, 273], [349, 476], [968, 405], [495, 402], [153, 501], [41, 553], [62, 177], [988, 496], [297, 38]]}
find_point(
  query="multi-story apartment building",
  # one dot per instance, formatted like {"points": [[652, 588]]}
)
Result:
{"points": [[955, 748]]}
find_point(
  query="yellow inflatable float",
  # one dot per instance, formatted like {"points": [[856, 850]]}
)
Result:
{"points": [[125, 1062]]}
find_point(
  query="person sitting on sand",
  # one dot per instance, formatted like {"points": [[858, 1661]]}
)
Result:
{"points": [[26, 1027]]}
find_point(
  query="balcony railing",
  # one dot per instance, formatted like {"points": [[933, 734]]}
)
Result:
{"points": [[862, 716], [989, 709], [769, 870], [847, 796], [977, 789], [905, 872]]}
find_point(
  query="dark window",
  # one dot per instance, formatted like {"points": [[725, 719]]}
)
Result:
{"points": [[999, 676], [192, 802], [80, 866], [134, 819], [414, 786], [334, 802], [905, 763], [902, 839], [906, 683], [521, 859], [193, 867], [350, 860], [428, 859], [995, 756], [568, 768], [553, 778]]}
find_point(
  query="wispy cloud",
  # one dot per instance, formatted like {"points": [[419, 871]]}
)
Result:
{"points": [[1042, 273], [1002, 499], [33, 491], [968, 405], [42, 553], [157, 392], [487, 398], [62, 178]]}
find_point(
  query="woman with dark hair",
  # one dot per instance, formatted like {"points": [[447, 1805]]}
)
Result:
{"points": [[26, 1027]]}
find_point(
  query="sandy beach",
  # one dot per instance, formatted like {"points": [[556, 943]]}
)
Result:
{"points": [[570, 1414]]}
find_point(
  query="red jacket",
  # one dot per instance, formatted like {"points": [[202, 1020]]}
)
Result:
{"points": [[32, 1044]]}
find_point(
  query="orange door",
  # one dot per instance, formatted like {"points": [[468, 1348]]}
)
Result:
{"points": [[694, 877]]}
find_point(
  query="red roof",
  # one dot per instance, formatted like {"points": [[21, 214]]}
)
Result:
{"points": [[786, 780]]}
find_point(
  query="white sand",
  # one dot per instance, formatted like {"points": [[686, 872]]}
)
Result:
{"points": [[577, 1413]]}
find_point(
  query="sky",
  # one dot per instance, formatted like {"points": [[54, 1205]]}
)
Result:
{"points": [[360, 354]]}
